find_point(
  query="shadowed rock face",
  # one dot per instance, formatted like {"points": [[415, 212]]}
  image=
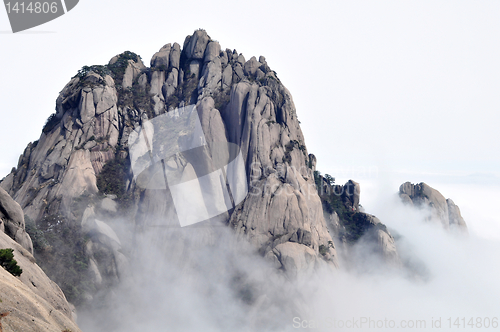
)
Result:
{"points": [[12, 221], [442, 210], [83, 154]]}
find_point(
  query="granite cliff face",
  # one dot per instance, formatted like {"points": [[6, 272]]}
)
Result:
{"points": [[33, 301], [442, 210], [77, 177]]}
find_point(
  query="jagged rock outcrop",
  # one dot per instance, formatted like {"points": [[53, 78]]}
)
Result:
{"points": [[350, 225], [83, 154], [34, 302], [442, 210]]}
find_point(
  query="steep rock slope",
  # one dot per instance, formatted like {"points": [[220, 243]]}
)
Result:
{"points": [[33, 301], [78, 176], [442, 210]]}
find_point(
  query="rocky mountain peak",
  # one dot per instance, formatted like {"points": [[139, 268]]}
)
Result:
{"points": [[78, 175], [442, 210]]}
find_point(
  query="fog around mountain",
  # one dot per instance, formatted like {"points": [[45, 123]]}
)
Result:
{"points": [[385, 93]]}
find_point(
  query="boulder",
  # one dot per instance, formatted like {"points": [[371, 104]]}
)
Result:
{"points": [[195, 45], [251, 66], [350, 195], [161, 58], [212, 51], [133, 70], [175, 56]]}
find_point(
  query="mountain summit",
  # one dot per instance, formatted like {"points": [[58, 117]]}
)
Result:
{"points": [[77, 187]]}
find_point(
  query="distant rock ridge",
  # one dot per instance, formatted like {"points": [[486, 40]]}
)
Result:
{"points": [[442, 210]]}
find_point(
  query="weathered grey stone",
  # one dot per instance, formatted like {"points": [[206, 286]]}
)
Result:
{"points": [[382, 238], [107, 100], [223, 58], [104, 239], [241, 60], [194, 68], [227, 77], [161, 58], [280, 204], [106, 125], [351, 194], [442, 210], [181, 77], [455, 217], [92, 78], [170, 84], [143, 81], [211, 77], [113, 60], [87, 108], [99, 158], [94, 272], [175, 56], [238, 73], [259, 75], [131, 72], [359, 228], [295, 259], [159, 104], [34, 301], [312, 161], [12, 221], [406, 199], [79, 177], [251, 66], [157, 80], [196, 45], [423, 195], [212, 51]]}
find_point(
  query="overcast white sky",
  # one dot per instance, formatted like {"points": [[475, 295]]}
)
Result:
{"points": [[381, 86]]}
